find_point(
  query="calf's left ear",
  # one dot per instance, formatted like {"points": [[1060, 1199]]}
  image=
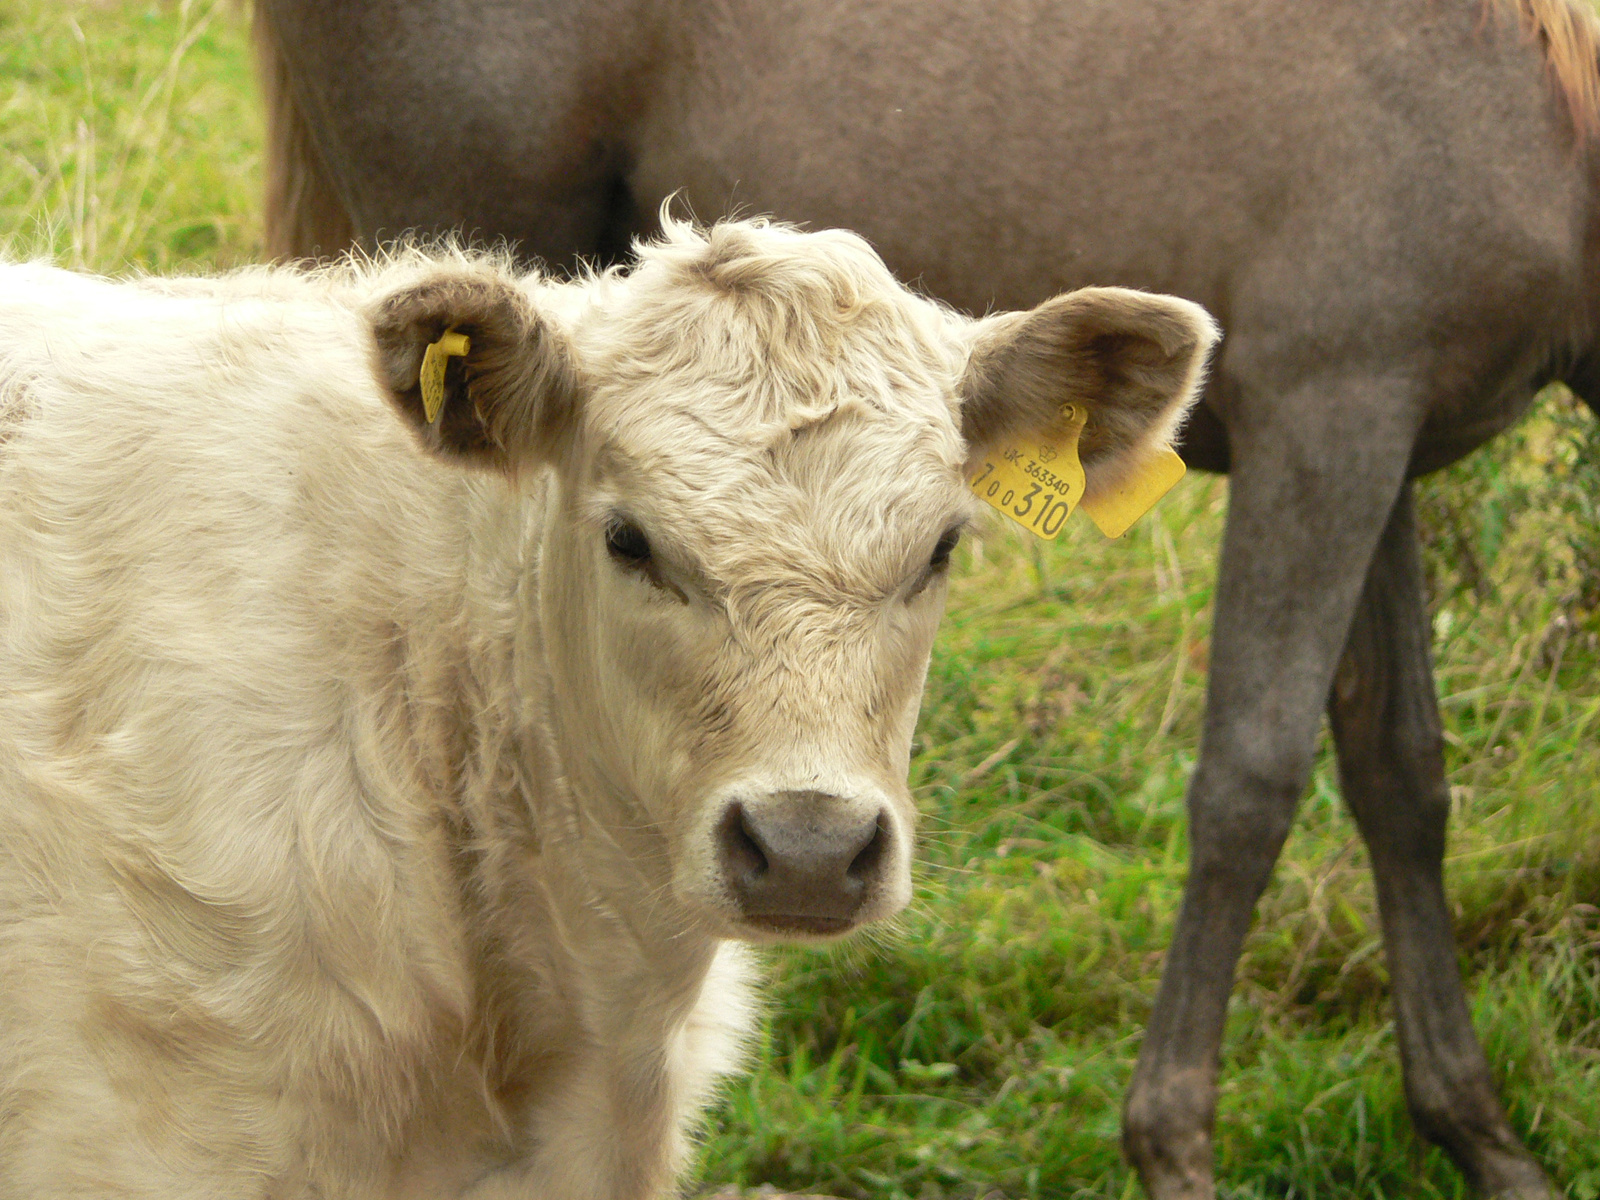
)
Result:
{"points": [[1133, 361], [502, 403]]}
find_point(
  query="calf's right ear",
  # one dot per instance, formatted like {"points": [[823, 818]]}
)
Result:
{"points": [[1133, 361], [504, 403]]}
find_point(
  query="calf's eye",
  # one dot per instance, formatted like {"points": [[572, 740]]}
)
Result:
{"points": [[938, 562], [628, 544]]}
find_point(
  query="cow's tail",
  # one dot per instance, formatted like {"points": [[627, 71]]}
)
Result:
{"points": [[1568, 31], [304, 216]]}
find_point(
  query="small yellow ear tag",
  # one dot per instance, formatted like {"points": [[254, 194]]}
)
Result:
{"points": [[1115, 511], [1037, 483], [434, 360]]}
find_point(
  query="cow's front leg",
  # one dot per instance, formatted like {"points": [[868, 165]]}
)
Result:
{"points": [[658, 1034], [1314, 477], [1385, 718], [610, 1131]]}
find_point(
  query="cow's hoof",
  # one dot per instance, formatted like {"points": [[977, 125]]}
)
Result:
{"points": [[1162, 1182], [1468, 1122], [1172, 1166], [1507, 1174], [1166, 1135]]}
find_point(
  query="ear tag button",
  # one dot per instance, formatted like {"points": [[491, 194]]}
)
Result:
{"points": [[1037, 482], [434, 360], [1152, 479]]}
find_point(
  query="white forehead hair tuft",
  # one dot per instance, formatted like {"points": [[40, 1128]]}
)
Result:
{"points": [[833, 274], [767, 325]]}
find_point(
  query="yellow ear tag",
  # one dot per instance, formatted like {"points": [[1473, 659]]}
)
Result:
{"points": [[1115, 511], [1037, 483], [434, 360]]}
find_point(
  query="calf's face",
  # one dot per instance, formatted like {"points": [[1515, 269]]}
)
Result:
{"points": [[759, 444]]}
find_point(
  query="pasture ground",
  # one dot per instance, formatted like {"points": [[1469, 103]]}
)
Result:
{"points": [[980, 1049]]}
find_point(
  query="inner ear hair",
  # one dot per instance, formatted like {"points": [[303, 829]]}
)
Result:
{"points": [[1133, 360], [508, 398]]}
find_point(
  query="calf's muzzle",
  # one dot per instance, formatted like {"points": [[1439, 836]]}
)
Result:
{"points": [[802, 861]]}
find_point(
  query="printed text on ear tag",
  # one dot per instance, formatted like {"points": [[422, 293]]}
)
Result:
{"points": [[1037, 483], [434, 360], [1119, 508]]}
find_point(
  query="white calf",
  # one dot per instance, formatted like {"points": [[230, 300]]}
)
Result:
{"points": [[384, 823]]}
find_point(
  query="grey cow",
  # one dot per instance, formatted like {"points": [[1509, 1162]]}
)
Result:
{"points": [[1389, 204]]}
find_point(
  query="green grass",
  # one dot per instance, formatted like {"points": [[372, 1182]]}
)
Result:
{"points": [[129, 134], [983, 1045]]}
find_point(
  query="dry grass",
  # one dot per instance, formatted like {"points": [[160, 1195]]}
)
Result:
{"points": [[127, 134]]}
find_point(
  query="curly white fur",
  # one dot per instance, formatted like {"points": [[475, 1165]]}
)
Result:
{"points": [[356, 804]]}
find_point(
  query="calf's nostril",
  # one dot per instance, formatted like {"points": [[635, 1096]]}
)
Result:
{"points": [[742, 854], [867, 861], [803, 861]]}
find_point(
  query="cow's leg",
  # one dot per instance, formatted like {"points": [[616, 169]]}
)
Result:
{"points": [[1391, 768], [1314, 478]]}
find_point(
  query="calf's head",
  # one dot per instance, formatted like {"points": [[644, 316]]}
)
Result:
{"points": [[757, 443]]}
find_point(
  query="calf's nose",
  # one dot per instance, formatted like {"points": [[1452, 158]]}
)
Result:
{"points": [[802, 861]]}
